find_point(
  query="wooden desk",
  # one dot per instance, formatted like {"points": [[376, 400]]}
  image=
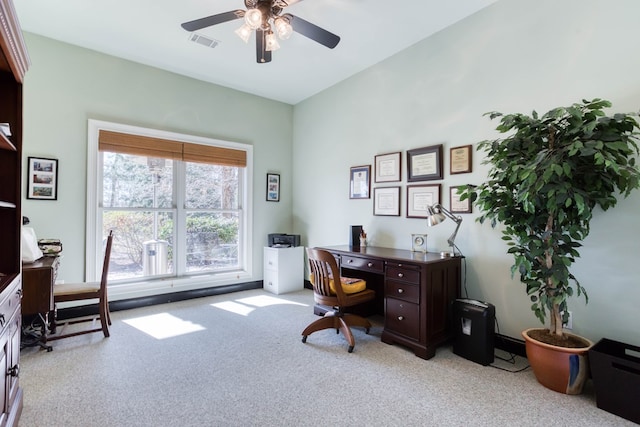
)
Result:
{"points": [[414, 292], [38, 279]]}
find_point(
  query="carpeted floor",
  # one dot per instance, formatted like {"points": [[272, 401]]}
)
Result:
{"points": [[238, 360]]}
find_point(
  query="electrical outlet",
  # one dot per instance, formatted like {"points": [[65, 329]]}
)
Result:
{"points": [[569, 324]]}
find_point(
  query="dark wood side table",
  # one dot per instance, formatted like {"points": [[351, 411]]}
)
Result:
{"points": [[38, 279]]}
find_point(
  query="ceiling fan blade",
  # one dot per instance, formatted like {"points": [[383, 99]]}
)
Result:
{"points": [[313, 32], [213, 20], [262, 54]]}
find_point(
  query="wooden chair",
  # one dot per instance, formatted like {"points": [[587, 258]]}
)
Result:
{"points": [[84, 291], [339, 294]]}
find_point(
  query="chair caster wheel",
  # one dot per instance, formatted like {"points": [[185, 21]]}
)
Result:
{"points": [[350, 349], [304, 338], [366, 331]]}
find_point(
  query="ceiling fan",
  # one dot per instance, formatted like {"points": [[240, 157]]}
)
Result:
{"points": [[264, 16]]}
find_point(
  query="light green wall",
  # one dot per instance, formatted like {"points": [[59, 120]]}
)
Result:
{"points": [[66, 85], [514, 56]]}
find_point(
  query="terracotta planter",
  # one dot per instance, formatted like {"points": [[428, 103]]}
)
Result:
{"points": [[561, 369]]}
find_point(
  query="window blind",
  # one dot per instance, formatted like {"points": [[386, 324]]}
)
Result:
{"points": [[117, 142]]}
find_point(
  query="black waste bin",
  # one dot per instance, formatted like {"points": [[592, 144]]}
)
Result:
{"points": [[615, 368]]}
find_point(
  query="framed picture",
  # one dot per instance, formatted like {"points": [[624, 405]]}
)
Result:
{"points": [[42, 178], [457, 205], [460, 159], [420, 197], [388, 167], [386, 201], [360, 182], [273, 187], [424, 164]]}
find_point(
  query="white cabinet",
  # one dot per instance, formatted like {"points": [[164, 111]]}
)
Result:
{"points": [[283, 269]]}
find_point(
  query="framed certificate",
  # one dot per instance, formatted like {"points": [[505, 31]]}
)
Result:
{"points": [[460, 159], [386, 201], [360, 182], [457, 205], [388, 167], [424, 164], [420, 197]]}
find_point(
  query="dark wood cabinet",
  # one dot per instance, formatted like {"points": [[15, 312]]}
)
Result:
{"points": [[414, 292], [13, 65]]}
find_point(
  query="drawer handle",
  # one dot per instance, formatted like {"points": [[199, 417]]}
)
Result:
{"points": [[400, 275], [19, 292], [369, 264], [400, 317], [2, 320], [270, 263], [350, 261], [14, 371], [400, 290]]}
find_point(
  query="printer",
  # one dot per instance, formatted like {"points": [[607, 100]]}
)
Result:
{"points": [[280, 240]]}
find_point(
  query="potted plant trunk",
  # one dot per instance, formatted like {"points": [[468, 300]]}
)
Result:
{"points": [[545, 180]]}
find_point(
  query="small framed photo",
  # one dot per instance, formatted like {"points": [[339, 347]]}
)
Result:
{"points": [[424, 164], [386, 201], [360, 182], [420, 197], [460, 159], [457, 205], [273, 187], [42, 178], [388, 167]]}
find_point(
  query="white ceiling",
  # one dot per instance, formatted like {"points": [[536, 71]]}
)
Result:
{"points": [[149, 32]]}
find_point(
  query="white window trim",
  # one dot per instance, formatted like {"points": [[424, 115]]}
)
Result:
{"points": [[167, 285]]}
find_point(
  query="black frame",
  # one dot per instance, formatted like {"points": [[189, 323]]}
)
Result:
{"points": [[436, 152], [42, 178], [273, 187]]}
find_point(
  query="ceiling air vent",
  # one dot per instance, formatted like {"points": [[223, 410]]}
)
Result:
{"points": [[205, 41]]}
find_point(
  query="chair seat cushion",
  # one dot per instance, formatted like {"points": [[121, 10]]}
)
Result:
{"points": [[349, 285], [75, 288]]}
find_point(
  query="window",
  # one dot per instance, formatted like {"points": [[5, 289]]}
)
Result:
{"points": [[178, 206]]}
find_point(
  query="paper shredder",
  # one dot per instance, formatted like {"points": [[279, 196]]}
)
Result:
{"points": [[473, 323]]}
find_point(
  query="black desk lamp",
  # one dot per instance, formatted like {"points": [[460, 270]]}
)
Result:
{"points": [[438, 213]]}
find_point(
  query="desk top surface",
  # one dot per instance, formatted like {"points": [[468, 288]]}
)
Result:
{"points": [[44, 262], [388, 253]]}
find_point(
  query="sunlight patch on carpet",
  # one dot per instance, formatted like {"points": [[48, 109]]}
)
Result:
{"points": [[244, 306], [163, 325], [266, 300], [234, 307]]}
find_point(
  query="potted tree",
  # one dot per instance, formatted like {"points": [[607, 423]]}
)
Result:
{"points": [[545, 180]]}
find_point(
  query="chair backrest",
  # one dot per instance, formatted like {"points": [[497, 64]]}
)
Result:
{"points": [[105, 263], [324, 268]]}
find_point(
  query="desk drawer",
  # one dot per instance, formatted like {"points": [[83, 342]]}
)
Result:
{"points": [[402, 318], [405, 274], [403, 291], [365, 264]]}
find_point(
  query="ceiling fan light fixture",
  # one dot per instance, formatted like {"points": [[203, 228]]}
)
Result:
{"points": [[253, 18], [244, 32], [271, 42], [283, 28]]}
